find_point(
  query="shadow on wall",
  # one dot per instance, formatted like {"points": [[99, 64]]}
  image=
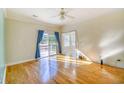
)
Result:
{"points": [[112, 43], [108, 42], [115, 60]]}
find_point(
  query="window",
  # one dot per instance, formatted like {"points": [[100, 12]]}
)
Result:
{"points": [[72, 38], [69, 39], [66, 38]]}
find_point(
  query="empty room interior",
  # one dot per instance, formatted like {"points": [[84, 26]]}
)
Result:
{"points": [[61, 45]]}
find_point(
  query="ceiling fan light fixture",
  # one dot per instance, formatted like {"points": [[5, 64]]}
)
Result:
{"points": [[62, 17], [63, 14]]}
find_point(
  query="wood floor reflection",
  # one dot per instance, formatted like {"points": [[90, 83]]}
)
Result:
{"points": [[63, 70]]}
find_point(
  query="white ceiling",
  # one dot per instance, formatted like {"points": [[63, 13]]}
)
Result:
{"points": [[46, 14]]}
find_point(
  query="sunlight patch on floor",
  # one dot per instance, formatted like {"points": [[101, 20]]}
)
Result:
{"points": [[68, 59]]}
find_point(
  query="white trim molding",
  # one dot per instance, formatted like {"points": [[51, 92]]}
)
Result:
{"points": [[19, 62]]}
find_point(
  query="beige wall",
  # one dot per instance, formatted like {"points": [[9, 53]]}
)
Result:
{"points": [[21, 39], [102, 36]]}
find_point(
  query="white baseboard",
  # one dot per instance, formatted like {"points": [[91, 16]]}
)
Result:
{"points": [[4, 76], [18, 62]]}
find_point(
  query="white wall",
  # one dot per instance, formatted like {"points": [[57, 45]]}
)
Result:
{"points": [[21, 39], [102, 36], [2, 50]]}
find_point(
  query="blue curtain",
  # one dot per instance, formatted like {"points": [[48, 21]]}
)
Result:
{"points": [[39, 38], [58, 40]]}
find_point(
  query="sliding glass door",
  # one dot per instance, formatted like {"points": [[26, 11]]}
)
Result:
{"points": [[48, 45], [52, 44]]}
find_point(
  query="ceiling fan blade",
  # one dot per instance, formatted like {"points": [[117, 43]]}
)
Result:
{"points": [[70, 16], [56, 15]]}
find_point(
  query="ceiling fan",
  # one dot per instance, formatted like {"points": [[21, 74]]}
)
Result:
{"points": [[64, 14]]}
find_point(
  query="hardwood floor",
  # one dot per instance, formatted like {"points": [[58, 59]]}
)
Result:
{"points": [[61, 70]]}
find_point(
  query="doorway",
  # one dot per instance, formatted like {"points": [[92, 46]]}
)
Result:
{"points": [[48, 45]]}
